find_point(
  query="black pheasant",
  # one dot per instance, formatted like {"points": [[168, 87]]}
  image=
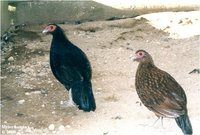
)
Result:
{"points": [[72, 68], [160, 92]]}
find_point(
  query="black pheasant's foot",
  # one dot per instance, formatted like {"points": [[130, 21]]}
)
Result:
{"points": [[68, 103], [196, 70]]}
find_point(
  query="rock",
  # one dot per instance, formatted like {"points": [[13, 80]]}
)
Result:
{"points": [[68, 126], [51, 127], [21, 101], [61, 128], [10, 59]]}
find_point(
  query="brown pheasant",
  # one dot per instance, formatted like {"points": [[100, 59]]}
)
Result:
{"points": [[160, 92]]}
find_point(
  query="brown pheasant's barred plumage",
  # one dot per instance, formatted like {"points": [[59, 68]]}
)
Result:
{"points": [[160, 92]]}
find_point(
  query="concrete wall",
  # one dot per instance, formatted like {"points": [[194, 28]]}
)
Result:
{"points": [[141, 4], [40, 11], [65, 11], [5, 18]]}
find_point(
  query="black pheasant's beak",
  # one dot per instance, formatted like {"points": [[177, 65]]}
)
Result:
{"points": [[46, 30]]}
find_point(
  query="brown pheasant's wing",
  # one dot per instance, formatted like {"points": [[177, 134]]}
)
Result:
{"points": [[174, 98], [168, 108]]}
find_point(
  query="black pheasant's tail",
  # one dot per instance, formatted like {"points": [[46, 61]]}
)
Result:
{"points": [[83, 96], [184, 123]]}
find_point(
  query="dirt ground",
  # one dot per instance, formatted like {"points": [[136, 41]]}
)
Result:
{"points": [[32, 99]]}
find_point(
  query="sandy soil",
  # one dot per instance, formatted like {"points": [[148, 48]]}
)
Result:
{"points": [[32, 99]]}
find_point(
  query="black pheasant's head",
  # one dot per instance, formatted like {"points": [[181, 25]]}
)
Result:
{"points": [[142, 56], [56, 31], [52, 29]]}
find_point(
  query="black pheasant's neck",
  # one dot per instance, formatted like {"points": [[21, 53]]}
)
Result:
{"points": [[59, 42], [59, 35]]}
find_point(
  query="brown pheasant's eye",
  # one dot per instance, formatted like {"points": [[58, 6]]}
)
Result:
{"points": [[51, 27], [140, 53]]}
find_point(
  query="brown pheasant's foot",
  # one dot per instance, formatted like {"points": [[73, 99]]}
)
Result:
{"points": [[159, 118]]}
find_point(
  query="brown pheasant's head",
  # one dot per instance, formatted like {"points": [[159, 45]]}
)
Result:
{"points": [[142, 56]]}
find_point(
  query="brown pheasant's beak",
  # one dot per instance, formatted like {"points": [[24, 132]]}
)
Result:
{"points": [[133, 58], [46, 30]]}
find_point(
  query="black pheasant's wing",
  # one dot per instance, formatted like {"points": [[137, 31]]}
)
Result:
{"points": [[70, 65]]}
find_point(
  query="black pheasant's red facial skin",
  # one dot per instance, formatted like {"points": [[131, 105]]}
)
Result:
{"points": [[160, 92], [50, 28]]}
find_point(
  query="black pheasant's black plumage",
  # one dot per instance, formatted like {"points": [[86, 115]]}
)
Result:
{"points": [[71, 67], [160, 92]]}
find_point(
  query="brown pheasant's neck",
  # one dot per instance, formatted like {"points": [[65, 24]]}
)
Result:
{"points": [[146, 65]]}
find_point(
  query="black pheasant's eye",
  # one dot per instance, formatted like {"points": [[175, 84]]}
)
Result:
{"points": [[51, 27]]}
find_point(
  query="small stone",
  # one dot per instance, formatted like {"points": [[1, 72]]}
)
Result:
{"points": [[18, 133], [105, 133], [61, 102], [68, 126], [27, 94], [19, 114], [53, 112], [117, 118], [11, 59], [3, 77], [21, 101], [44, 91], [33, 92], [99, 89], [61, 128], [36, 92], [51, 127]]}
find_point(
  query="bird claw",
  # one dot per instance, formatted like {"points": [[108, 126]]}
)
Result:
{"points": [[159, 118], [68, 103]]}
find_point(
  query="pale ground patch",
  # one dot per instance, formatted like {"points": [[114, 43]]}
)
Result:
{"points": [[28, 78], [178, 24]]}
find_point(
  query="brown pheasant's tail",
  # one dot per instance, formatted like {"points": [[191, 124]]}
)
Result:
{"points": [[184, 123]]}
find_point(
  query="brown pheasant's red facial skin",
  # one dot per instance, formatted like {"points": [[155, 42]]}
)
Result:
{"points": [[49, 29], [139, 55]]}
